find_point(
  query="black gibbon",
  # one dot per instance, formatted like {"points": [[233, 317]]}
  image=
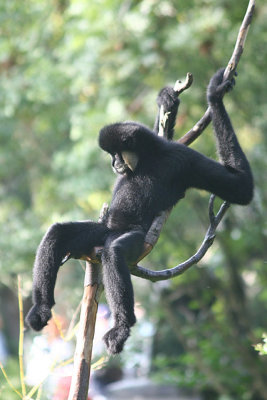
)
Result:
{"points": [[154, 174]]}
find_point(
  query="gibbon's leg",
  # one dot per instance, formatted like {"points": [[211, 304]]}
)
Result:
{"points": [[71, 238], [118, 286]]}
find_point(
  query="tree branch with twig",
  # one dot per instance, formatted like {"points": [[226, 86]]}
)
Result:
{"points": [[199, 127], [195, 132]]}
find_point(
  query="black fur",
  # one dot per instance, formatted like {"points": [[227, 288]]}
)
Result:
{"points": [[164, 172]]}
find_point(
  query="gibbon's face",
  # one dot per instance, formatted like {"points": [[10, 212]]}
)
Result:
{"points": [[124, 162]]}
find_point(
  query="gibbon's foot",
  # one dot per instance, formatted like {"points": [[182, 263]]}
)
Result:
{"points": [[168, 97], [115, 338], [38, 316]]}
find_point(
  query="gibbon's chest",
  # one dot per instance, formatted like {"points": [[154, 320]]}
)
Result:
{"points": [[138, 199]]}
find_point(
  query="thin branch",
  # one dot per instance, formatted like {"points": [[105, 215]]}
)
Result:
{"points": [[21, 339], [155, 276], [199, 127], [180, 86]]}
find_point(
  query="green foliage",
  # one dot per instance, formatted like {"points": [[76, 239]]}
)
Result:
{"points": [[262, 347], [69, 67]]}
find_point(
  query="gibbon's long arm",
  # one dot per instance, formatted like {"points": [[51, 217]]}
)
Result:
{"points": [[232, 180]]}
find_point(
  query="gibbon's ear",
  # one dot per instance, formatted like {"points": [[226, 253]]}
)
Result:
{"points": [[130, 158]]}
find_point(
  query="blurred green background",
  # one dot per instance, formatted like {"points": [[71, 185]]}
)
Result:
{"points": [[69, 67]]}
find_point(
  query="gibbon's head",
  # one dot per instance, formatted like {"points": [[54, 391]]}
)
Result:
{"points": [[127, 143], [121, 140]]}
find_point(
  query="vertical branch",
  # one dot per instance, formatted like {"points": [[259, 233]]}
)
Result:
{"points": [[93, 289], [83, 353]]}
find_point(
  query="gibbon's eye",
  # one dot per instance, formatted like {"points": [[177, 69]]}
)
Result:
{"points": [[130, 158]]}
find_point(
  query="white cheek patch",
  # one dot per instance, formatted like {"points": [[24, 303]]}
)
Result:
{"points": [[130, 159]]}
